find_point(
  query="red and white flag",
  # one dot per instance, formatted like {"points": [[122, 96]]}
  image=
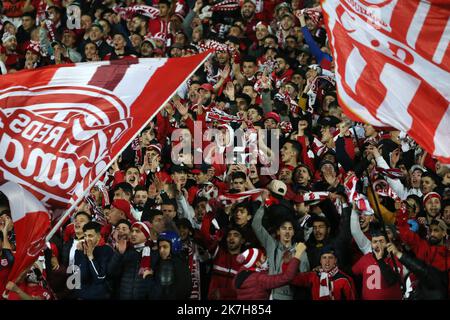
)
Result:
{"points": [[393, 65], [31, 224], [61, 127]]}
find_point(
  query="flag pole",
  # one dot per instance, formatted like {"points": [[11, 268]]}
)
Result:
{"points": [[75, 204], [378, 211]]}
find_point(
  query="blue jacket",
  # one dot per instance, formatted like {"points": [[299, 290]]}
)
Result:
{"points": [[94, 280]]}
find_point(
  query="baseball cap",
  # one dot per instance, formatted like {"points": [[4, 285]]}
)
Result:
{"points": [[316, 67], [123, 205], [200, 168], [329, 121], [98, 25], [178, 168], [417, 167], [207, 87], [272, 115], [282, 5], [278, 187], [440, 223]]}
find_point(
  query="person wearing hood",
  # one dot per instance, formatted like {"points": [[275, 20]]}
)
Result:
{"points": [[172, 272]]}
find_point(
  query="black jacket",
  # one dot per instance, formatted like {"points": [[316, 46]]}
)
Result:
{"points": [[94, 282], [341, 244], [432, 284], [173, 278], [124, 268]]}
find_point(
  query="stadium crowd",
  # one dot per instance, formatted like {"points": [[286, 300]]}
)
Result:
{"points": [[350, 211]]}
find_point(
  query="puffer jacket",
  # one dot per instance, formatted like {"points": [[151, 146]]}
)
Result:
{"points": [[173, 279], [252, 285], [124, 268]]}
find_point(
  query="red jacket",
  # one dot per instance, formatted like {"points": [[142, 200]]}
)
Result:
{"points": [[36, 291], [259, 284], [343, 287], [224, 269], [437, 256], [374, 286]]}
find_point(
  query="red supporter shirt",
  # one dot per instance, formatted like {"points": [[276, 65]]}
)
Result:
{"points": [[36, 291], [343, 287], [13, 8], [374, 286], [5, 268]]}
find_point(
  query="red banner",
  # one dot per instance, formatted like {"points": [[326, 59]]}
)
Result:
{"points": [[31, 224], [393, 65], [62, 126]]}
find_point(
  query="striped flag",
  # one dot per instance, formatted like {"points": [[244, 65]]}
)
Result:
{"points": [[62, 126], [393, 66]]}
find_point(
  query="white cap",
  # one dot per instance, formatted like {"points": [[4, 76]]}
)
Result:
{"points": [[278, 187]]}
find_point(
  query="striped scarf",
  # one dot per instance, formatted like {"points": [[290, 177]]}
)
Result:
{"points": [[315, 14], [128, 12], [145, 264], [326, 282], [390, 173], [230, 198], [226, 5], [382, 188], [221, 116]]}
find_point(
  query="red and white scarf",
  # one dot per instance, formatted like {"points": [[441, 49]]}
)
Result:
{"points": [[315, 14], [221, 117], [311, 196], [226, 5], [194, 267], [145, 264], [213, 45], [128, 12], [326, 282], [51, 29], [383, 189], [238, 197], [390, 173]]}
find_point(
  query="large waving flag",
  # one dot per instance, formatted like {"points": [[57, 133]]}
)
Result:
{"points": [[31, 224], [61, 127], [393, 65]]}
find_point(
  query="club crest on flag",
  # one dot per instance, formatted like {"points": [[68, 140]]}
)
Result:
{"points": [[72, 127], [35, 248], [61, 127]]}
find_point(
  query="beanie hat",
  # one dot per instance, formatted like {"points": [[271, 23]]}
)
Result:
{"points": [[272, 115], [145, 228], [156, 147], [328, 249], [7, 36], [431, 195], [249, 257], [34, 47]]}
